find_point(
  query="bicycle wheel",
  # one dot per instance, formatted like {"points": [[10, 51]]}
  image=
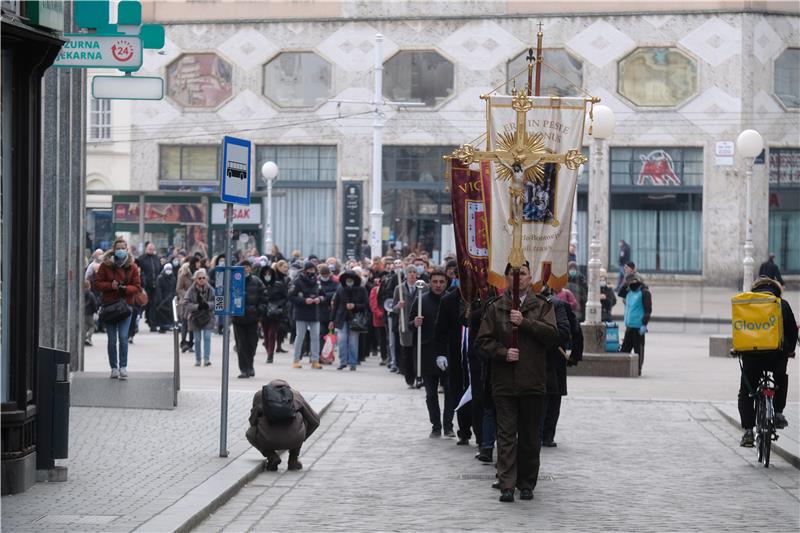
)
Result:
{"points": [[760, 428], [768, 430]]}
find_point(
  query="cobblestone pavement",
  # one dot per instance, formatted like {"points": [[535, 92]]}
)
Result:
{"points": [[619, 466], [127, 465]]}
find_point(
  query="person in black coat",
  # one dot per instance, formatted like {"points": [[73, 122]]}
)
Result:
{"points": [[607, 298], [245, 328], [161, 307], [277, 294], [307, 297], [483, 412], [570, 338], [349, 317], [150, 268], [328, 286], [769, 269], [449, 325], [433, 366]]}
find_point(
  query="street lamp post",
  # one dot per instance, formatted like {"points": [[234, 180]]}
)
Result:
{"points": [[602, 127], [269, 171], [749, 144]]}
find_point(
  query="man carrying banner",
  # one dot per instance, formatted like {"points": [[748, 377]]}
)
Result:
{"points": [[519, 380]]}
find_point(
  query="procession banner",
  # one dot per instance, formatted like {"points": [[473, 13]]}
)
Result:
{"points": [[470, 224], [549, 191]]}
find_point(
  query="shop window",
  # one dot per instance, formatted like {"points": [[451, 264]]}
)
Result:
{"points": [[199, 80], [297, 79], [99, 119], [657, 77], [189, 167], [657, 206], [562, 74], [784, 208], [787, 78], [418, 76]]}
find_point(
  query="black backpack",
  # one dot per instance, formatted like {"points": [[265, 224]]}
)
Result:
{"points": [[277, 403]]}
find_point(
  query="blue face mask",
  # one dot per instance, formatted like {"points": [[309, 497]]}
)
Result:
{"points": [[420, 270], [120, 254]]}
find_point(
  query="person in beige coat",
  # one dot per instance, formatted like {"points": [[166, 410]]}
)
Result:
{"points": [[185, 280], [268, 438]]}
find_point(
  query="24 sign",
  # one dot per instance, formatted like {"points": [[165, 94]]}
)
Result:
{"points": [[84, 50]]}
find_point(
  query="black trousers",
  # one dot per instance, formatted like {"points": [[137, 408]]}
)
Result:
{"points": [[408, 363], [432, 401], [552, 410], [476, 405], [463, 415], [634, 341], [246, 336], [383, 345], [518, 422], [752, 367]]}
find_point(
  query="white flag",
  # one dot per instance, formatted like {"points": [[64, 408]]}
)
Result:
{"points": [[547, 212]]}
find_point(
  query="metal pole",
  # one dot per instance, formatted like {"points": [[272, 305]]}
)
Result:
{"points": [[226, 334], [748, 261], [376, 215], [573, 238], [265, 244], [141, 222], [268, 239], [420, 287], [593, 307]]}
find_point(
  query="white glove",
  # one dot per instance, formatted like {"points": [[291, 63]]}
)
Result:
{"points": [[441, 362]]}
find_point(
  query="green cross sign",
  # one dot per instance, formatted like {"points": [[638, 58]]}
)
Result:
{"points": [[95, 14]]}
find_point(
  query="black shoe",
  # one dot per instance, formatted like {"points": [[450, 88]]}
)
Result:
{"points": [[418, 384], [549, 444], [747, 439], [449, 433], [462, 442], [496, 485], [780, 421], [243, 375], [207, 363], [269, 360], [435, 434], [485, 455], [525, 494], [280, 349], [251, 373], [507, 495], [271, 463], [184, 347]]}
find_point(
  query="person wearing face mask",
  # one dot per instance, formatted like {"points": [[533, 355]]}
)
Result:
{"points": [[307, 298], [245, 327], [150, 267], [118, 278], [638, 307], [200, 314], [419, 265], [349, 300], [162, 299], [607, 297], [272, 321], [185, 274], [576, 283], [328, 286]]}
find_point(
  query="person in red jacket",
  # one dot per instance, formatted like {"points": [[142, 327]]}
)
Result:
{"points": [[118, 279]]}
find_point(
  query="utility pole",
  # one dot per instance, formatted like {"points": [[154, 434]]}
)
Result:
{"points": [[376, 214]]}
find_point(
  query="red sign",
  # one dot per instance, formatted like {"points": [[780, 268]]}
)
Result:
{"points": [[657, 166]]}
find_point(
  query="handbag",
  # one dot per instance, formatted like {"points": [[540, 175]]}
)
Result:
{"points": [[274, 310], [140, 298], [359, 322], [117, 311]]}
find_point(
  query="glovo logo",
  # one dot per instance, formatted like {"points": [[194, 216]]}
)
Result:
{"points": [[742, 325]]}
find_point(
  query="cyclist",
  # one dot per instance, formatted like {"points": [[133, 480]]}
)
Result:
{"points": [[754, 364]]}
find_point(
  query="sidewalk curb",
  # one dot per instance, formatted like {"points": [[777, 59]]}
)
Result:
{"points": [[200, 502], [791, 458]]}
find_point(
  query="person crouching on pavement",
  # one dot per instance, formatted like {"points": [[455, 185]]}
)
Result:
{"points": [[433, 366], [519, 380], [280, 419]]}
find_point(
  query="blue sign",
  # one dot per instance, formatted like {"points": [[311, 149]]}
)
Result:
{"points": [[235, 172], [231, 303]]}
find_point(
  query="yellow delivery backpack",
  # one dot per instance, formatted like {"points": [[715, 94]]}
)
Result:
{"points": [[757, 322]]}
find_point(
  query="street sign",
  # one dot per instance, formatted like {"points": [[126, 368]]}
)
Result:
{"points": [[235, 174], [234, 296], [352, 219], [83, 50], [128, 87]]}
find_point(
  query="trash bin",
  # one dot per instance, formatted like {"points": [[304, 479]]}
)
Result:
{"points": [[52, 407]]}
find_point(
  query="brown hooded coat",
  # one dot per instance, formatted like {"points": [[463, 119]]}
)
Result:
{"points": [[269, 438]]}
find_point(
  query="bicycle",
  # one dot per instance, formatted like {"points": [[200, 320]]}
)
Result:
{"points": [[765, 414]]}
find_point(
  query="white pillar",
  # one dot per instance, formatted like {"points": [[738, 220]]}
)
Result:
{"points": [[376, 214], [748, 261], [268, 232], [596, 175]]}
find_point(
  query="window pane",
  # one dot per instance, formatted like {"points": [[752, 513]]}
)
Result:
{"points": [[784, 167], [657, 77], [421, 164], [299, 162], [559, 64], [170, 163], [200, 163], [297, 79], [787, 77], [423, 77], [657, 167]]}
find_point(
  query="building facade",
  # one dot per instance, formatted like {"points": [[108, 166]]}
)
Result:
{"points": [[298, 83]]}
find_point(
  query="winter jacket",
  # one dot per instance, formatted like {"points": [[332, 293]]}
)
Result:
{"points": [[638, 305], [255, 301], [580, 290], [150, 267], [770, 270], [624, 254], [199, 319], [431, 303], [266, 437], [407, 337], [448, 337], [356, 295], [536, 334], [567, 296], [277, 293], [608, 303], [126, 274], [305, 287], [328, 289], [161, 306], [570, 337], [377, 310], [90, 303], [789, 323], [184, 282]]}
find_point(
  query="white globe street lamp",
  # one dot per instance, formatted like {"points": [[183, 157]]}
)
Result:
{"points": [[749, 144], [269, 171], [603, 123]]}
